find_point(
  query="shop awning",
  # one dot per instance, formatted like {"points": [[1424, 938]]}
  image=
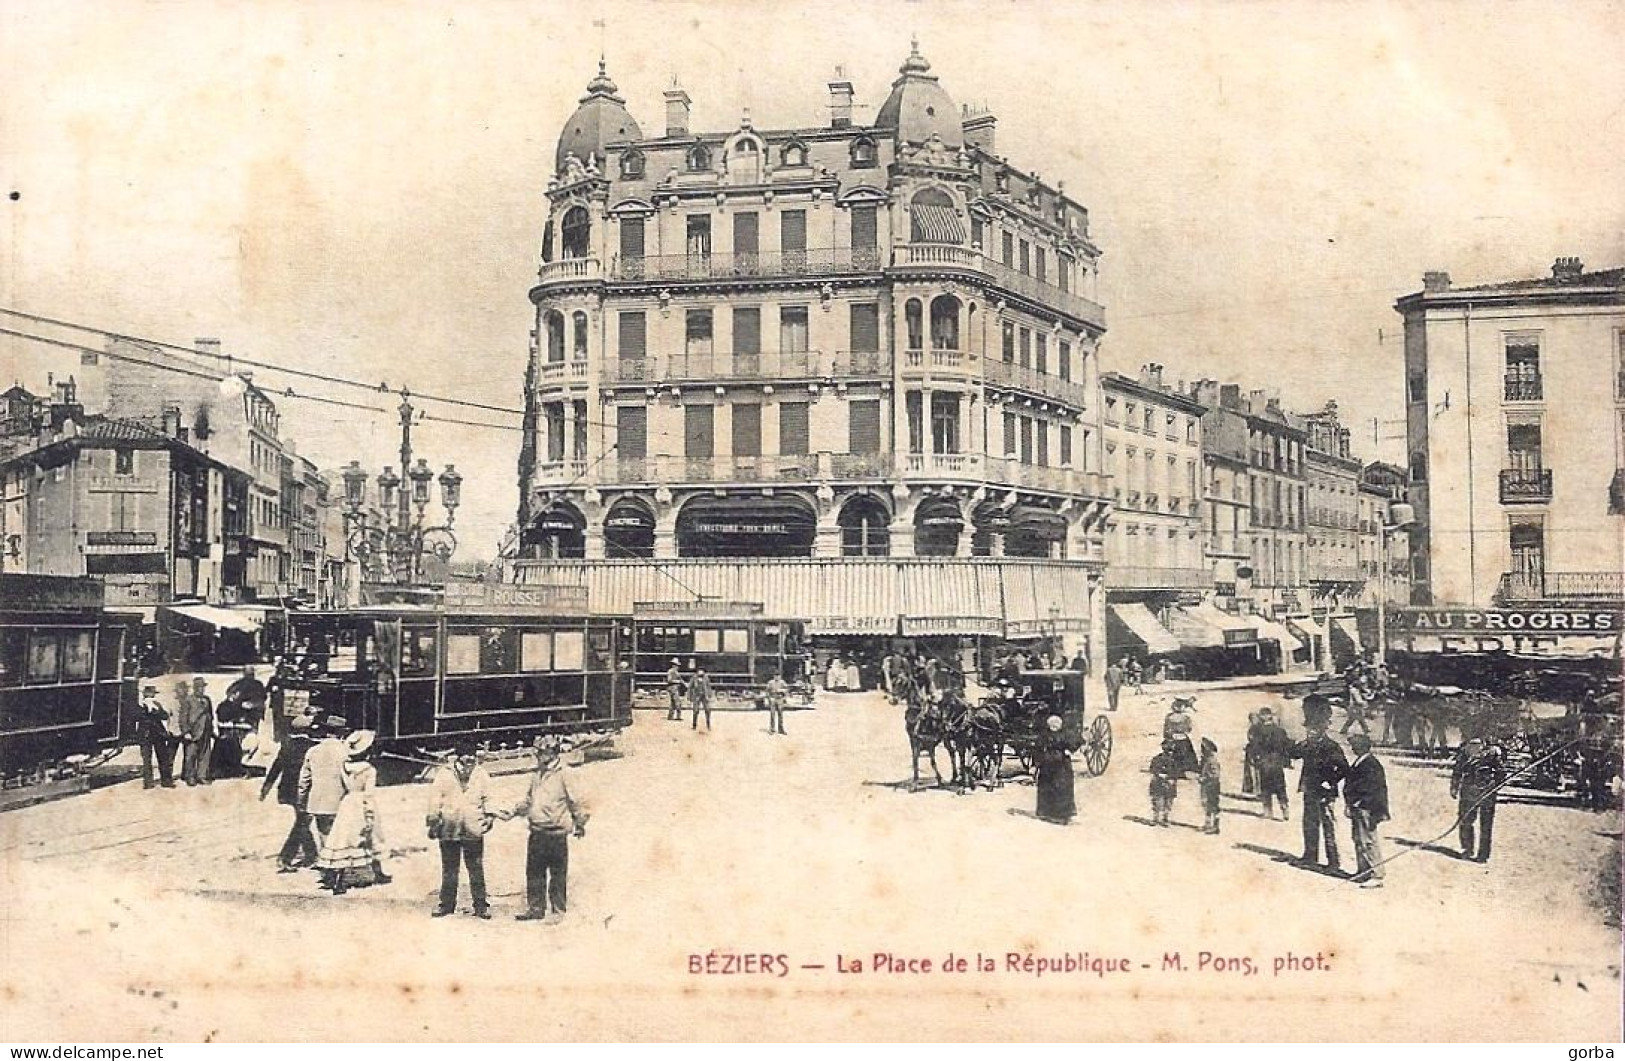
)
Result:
{"points": [[245, 622], [1344, 627], [1270, 630], [1043, 523], [1307, 628], [1204, 626], [1139, 621], [148, 614]]}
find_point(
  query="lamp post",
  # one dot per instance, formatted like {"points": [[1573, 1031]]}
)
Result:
{"points": [[1404, 517], [396, 536]]}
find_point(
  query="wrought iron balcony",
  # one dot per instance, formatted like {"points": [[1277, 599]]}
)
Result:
{"points": [[1022, 377], [860, 364], [1523, 388], [1562, 585], [783, 364], [939, 255], [829, 261], [1128, 576], [1525, 485]]}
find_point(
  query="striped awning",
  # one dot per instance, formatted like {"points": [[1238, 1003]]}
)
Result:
{"points": [[935, 224], [1269, 630], [1139, 621]]}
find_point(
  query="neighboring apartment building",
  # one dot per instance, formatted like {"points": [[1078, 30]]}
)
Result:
{"points": [[791, 362], [1516, 427], [1332, 513], [1227, 464]]}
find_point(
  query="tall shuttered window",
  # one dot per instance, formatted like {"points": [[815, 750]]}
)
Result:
{"points": [[1009, 434], [793, 231], [746, 236], [747, 324], [699, 437], [793, 429], [863, 435], [865, 228], [631, 432], [865, 327], [631, 238], [747, 430], [1066, 446], [632, 341]]}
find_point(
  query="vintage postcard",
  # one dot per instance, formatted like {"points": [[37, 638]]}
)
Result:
{"points": [[765, 521]]}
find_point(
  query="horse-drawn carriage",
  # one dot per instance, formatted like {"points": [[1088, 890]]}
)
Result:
{"points": [[1009, 725]]}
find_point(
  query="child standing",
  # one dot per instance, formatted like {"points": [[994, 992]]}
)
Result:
{"points": [[1164, 783], [1209, 774]]}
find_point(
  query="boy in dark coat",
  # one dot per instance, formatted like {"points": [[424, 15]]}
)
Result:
{"points": [[1164, 783], [1366, 793], [1208, 771]]}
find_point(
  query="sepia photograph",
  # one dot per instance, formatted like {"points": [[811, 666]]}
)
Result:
{"points": [[750, 521]]}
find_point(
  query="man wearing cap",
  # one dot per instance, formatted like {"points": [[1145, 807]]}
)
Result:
{"points": [[1271, 751], [552, 812], [1366, 794], [1474, 781], [1324, 767], [152, 731], [299, 849], [674, 692], [460, 815], [699, 698]]}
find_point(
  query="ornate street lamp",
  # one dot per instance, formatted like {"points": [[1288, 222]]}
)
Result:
{"points": [[451, 492], [355, 486], [388, 483]]}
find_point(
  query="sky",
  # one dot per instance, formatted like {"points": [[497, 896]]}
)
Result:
{"points": [[356, 186]]}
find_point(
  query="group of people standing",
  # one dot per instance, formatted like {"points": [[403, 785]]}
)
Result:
{"points": [[213, 741], [326, 775]]}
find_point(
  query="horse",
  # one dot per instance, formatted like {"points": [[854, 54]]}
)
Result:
{"points": [[923, 722]]}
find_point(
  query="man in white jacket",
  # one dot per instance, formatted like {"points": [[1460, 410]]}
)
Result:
{"points": [[460, 814], [552, 811]]}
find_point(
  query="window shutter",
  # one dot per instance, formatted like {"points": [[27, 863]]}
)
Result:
{"points": [[865, 334], [633, 337], [747, 430], [631, 432], [699, 439], [745, 234], [864, 433], [1066, 446], [1043, 443], [793, 429], [631, 238], [865, 235], [747, 337], [1009, 434], [793, 230]]}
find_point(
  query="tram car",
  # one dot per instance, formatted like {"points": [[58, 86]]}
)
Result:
{"points": [[739, 647], [428, 678], [68, 692]]}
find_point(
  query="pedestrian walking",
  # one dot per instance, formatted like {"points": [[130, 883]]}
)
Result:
{"points": [[1324, 767], [1080, 662], [699, 698], [153, 732], [1136, 676], [1164, 783], [778, 694], [1356, 708], [1209, 782], [299, 849], [352, 851], [1249, 757], [1177, 727], [1052, 762], [674, 692], [197, 735], [460, 814], [1366, 794], [1475, 781], [1114, 685], [321, 778], [552, 812], [1271, 750]]}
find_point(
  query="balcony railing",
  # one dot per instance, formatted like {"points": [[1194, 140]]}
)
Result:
{"points": [[938, 360], [630, 370], [1335, 573], [559, 371], [859, 364], [1523, 389], [941, 254], [1008, 374], [828, 261], [1525, 485], [561, 471], [784, 364], [1562, 585], [569, 269], [725, 469], [1128, 576]]}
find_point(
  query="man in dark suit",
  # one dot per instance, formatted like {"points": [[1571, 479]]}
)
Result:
{"points": [[197, 735], [1474, 781], [1324, 767], [1366, 794], [299, 849], [1114, 685]]}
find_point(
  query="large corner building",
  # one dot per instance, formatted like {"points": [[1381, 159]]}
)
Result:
{"points": [[846, 371]]}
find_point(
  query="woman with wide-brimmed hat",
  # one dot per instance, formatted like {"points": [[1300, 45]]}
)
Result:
{"points": [[352, 850]]}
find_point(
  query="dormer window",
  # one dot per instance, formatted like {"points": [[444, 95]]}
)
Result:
{"points": [[795, 154], [864, 154], [1001, 181], [699, 158], [632, 165]]}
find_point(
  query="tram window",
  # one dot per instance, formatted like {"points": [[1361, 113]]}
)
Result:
{"points": [[707, 640], [418, 651], [77, 653], [535, 651], [567, 650], [498, 647], [462, 653], [13, 656], [767, 637], [736, 639], [598, 658], [44, 657], [110, 654]]}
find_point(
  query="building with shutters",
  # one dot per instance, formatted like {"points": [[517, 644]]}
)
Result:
{"points": [[847, 370], [1516, 426]]}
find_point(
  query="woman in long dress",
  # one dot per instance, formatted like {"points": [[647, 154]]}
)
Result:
{"points": [[1052, 760], [352, 850]]}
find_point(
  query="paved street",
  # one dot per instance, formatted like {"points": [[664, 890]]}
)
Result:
{"points": [[807, 846]]}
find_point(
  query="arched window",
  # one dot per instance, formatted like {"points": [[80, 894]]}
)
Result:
{"points": [[863, 153], [699, 158], [933, 218], [945, 323], [632, 165], [580, 336], [558, 532], [865, 527], [577, 231], [555, 336], [912, 312], [937, 524], [795, 153], [629, 530]]}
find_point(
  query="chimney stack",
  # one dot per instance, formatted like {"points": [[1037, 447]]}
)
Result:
{"points": [[1230, 395], [172, 421], [677, 107], [1435, 280], [840, 101], [978, 126], [1567, 270]]}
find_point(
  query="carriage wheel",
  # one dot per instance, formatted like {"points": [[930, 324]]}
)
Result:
{"points": [[1097, 746]]}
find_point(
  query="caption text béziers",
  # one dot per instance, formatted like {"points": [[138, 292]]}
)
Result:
{"points": [[1018, 963]]}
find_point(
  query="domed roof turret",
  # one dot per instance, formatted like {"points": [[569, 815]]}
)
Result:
{"points": [[602, 118], [918, 106]]}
